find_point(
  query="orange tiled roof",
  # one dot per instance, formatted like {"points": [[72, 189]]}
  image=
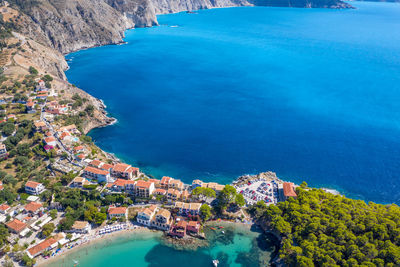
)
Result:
{"points": [[96, 163], [106, 166], [41, 246], [121, 167], [16, 225], [288, 190], [33, 206], [32, 184], [193, 223], [116, 210], [96, 171], [143, 184], [4, 207]]}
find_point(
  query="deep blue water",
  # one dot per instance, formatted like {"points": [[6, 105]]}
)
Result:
{"points": [[312, 94]]}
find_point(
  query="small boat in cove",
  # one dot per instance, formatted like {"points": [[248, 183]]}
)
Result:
{"points": [[215, 262]]}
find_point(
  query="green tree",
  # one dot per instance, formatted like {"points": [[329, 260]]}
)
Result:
{"points": [[48, 228], [205, 212]]}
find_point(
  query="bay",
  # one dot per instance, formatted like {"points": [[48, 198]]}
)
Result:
{"points": [[312, 94]]}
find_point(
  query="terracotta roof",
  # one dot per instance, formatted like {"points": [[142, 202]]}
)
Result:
{"points": [[165, 213], [32, 184], [116, 210], [288, 190], [4, 207], [199, 182], [182, 224], [165, 179], [41, 246], [178, 204], [143, 184], [121, 167], [33, 206], [40, 124], [160, 191], [81, 156], [96, 171], [193, 223], [120, 182], [79, 224], [16, 225], [155, 181], [106, 166], [195, 206], [96, 163], [67, 128], [149, 210], [78, 148], [133, 169], [64, 134], [50, 139]]}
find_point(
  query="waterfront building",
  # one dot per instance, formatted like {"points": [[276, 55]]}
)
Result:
{"points": [[193, 226], [165, 182], [288, 191], [144, 189], [124, 171], [145, 215], [81, 227], [43, 246], [119, 212], [34, 188], [162, 220], [196, 183], [157, 183], [215, 186], [98, 174], [179, 229]]}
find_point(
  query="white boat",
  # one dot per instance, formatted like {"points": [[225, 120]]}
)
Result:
{"points": [[215, 262]]}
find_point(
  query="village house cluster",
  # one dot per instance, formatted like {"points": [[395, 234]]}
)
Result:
{"points": [[165, 204]]}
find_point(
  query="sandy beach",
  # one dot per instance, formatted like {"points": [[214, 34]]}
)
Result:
{"points": [[89, 240]]}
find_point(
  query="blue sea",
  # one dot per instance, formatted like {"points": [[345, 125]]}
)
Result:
{"points": [[232, 246], [311, 94]]}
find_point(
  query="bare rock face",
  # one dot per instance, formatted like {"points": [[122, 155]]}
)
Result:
{"points": [[70, 25], [172, 6]]}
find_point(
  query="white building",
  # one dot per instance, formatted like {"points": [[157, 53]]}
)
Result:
{"points": [[34, 188]]}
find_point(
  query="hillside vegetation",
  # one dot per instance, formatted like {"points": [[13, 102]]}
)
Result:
{"points": [[322, 229]]}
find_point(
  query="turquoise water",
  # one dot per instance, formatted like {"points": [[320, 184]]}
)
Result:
{"points": [[312, 94], [235, 248]]}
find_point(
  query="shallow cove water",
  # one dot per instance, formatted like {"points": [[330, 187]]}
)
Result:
{"points": [[312, 94], [237, 246]]}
